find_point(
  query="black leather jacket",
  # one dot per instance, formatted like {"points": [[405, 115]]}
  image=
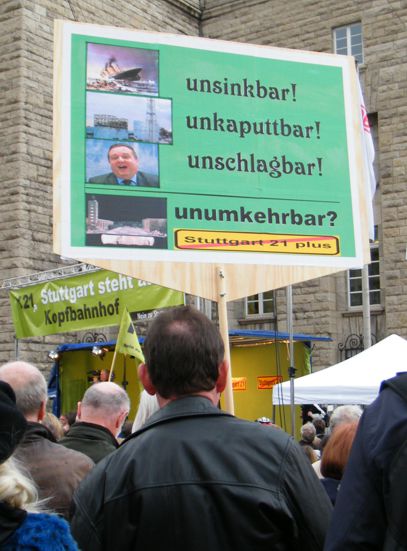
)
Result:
{"points": [[195, 478]]}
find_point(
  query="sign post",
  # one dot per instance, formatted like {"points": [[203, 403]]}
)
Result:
{"points": [[224, 331]]}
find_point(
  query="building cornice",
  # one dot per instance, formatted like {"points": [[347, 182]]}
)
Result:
{"points": [[231, 5], [202, 13], [188, 7]]}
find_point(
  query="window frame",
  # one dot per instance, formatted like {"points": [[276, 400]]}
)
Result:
{"points": [[261, 300], [350, 45], [374, 246]]}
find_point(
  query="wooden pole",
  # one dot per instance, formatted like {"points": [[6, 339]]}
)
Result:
{"points": [[224, 331], [113, 362]]}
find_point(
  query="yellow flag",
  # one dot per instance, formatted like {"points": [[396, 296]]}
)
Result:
{"points": [[127, 341]]}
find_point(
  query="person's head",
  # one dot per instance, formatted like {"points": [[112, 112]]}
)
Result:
{"points": [[67, 420], [12, 422], [123, 161], [344, 414], [337, 450], [264, 421], [319, 425], [310, 453], [29, 386], [104, 375], [308, 432], [17, 489], [105, 404], [54, 425], [184, 354]]}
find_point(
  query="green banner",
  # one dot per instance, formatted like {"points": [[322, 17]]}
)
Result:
{"points": [[87, 301]]}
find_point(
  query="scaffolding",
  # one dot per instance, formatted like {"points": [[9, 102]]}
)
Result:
{"points": [[48, 275]]}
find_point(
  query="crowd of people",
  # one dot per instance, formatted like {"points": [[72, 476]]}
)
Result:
{"points": [[191, 476]]}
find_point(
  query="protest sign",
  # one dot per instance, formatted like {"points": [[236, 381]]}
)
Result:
{"points": [[83, 302], [233, 153]]}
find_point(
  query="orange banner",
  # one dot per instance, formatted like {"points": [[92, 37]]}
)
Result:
{"points": [[239, 383], [268, 381]]}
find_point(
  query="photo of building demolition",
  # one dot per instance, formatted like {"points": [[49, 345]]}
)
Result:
{"points": [[120, 69], [124, 221]]}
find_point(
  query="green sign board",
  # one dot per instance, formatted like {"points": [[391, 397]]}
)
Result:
{"points": [[86, 301], [188, 149]]}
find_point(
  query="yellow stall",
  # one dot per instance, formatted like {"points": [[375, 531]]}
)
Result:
{"points": [[260, 360]]}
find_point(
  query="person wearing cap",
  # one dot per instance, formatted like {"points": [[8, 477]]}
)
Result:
{"points": [[55, 470], [23, 526], [267, 422]]}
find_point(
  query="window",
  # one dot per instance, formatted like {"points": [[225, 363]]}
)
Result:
{"points": [[355, 280], [261, 304], [348, 41]]}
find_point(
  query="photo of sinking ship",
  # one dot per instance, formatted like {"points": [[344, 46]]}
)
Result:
{"points": [[114, 78]]}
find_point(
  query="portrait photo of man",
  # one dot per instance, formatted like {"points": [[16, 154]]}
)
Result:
{"points": [[124, 164]]}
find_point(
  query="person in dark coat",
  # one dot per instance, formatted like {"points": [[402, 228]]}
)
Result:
{"points": [[56, 470], [195, 477], [362, 509], [100, 417]]}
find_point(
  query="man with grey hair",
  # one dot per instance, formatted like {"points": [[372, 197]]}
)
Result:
{"points": [[345, 414], [99, 420], [56, 471], [308, 435]]}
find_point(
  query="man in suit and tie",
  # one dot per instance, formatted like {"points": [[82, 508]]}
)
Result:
{"points": [[124, 163]]}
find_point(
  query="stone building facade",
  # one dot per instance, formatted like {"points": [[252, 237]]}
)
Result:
{"points": [[320, 306]]}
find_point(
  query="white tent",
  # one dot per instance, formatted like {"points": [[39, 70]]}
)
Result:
{"points": [[353, 381]]}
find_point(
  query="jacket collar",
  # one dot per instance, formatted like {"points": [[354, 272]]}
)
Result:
{"points": [[36, 431], [80, 428], [187, 406]]}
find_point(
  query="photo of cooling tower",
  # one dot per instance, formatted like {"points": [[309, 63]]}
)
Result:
{"points": [[129, 118]]}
